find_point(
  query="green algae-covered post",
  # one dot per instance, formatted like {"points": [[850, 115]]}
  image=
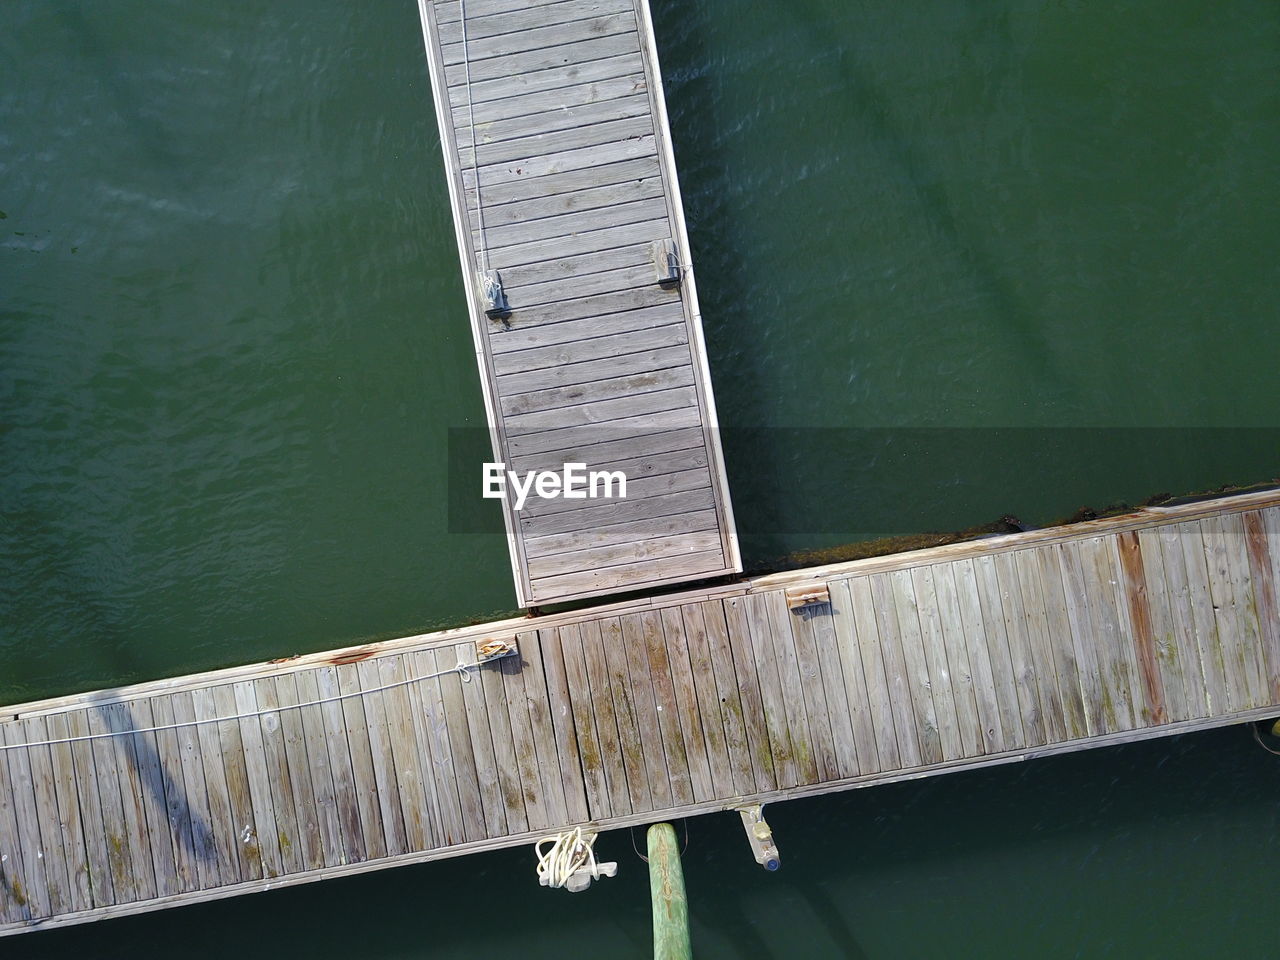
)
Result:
{"points": [[666, 888]]}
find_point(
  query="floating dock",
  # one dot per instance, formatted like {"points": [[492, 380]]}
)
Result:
{"points": [[581, 289], [809, 682]]}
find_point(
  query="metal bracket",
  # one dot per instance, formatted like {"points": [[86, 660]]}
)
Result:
{"points": [[493, 296], [666, 264], [495, 648], [760, 836], [807, 595]]}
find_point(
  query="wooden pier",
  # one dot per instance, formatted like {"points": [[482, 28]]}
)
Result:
{"points": [[942, 660], [564, 191]]}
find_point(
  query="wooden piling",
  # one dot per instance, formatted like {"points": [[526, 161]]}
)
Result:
{"points": [[666, 889]]}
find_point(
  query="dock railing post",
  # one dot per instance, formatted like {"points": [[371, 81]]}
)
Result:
{"points": [[666, 890]]}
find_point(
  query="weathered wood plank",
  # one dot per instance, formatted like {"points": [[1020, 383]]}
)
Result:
{"points": [[42, 805], [598, 413], [605, 235], [1134, 588], [496, 180], [224, 832], [1225, 615], [297, 762], [567, 764], [591, 197], [573, 685], [562, 183], [518, 17], [196, 790], [15, 897], [613, 758], [1047, 573], [1020, 724], [746, 729], [693, 521], [342, 680], [890, 719], [520, 70], [254, 864], [687, 705], [771, 633], [903, 629], [492, 117], [320, 766], [52, 841], [710, 712], [427, 749], [276, 771], [68, 819], [164, 796], [1036, 617], [1212, 661], [994, 734], [1105, 621], [1099, 710], [1168, 663], [484, 754], [354, 679], [897, 676], [1244, 599], [937, 663], [643, 793], [1005, 576], [1262, 576], [478, 50], [752, 639], [647, 308], [573, 128], [461, 753], [674, 569], [538, 806], [90, 804], [601, 558], [654, 697], [270, 846], [37, 890], [554, 780], [951, 623], [866, 694], [119, 719], [503, 735], [815, 629], [795, 631], [528, 370], [1173, 565]]}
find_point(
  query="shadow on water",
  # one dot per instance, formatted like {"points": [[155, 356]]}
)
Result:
{"points": [[700, 133], [875, 108], [116, 78]]}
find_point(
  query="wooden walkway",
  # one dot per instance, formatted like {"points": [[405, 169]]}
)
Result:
{"points": [[561, 176], [940, 660]]}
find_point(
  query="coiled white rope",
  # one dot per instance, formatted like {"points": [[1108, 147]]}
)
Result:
{"points": [[570, 852]]}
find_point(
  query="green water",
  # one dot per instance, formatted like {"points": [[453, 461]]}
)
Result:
{"points": [[939, 246]]}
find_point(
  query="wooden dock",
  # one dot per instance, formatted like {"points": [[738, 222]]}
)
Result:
{"points": [[236, 781], [562, 181]]}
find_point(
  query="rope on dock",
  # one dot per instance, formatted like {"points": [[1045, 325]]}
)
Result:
{"points": [[1257, 735], [570, 853], [461, 669], [471, 122]]}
